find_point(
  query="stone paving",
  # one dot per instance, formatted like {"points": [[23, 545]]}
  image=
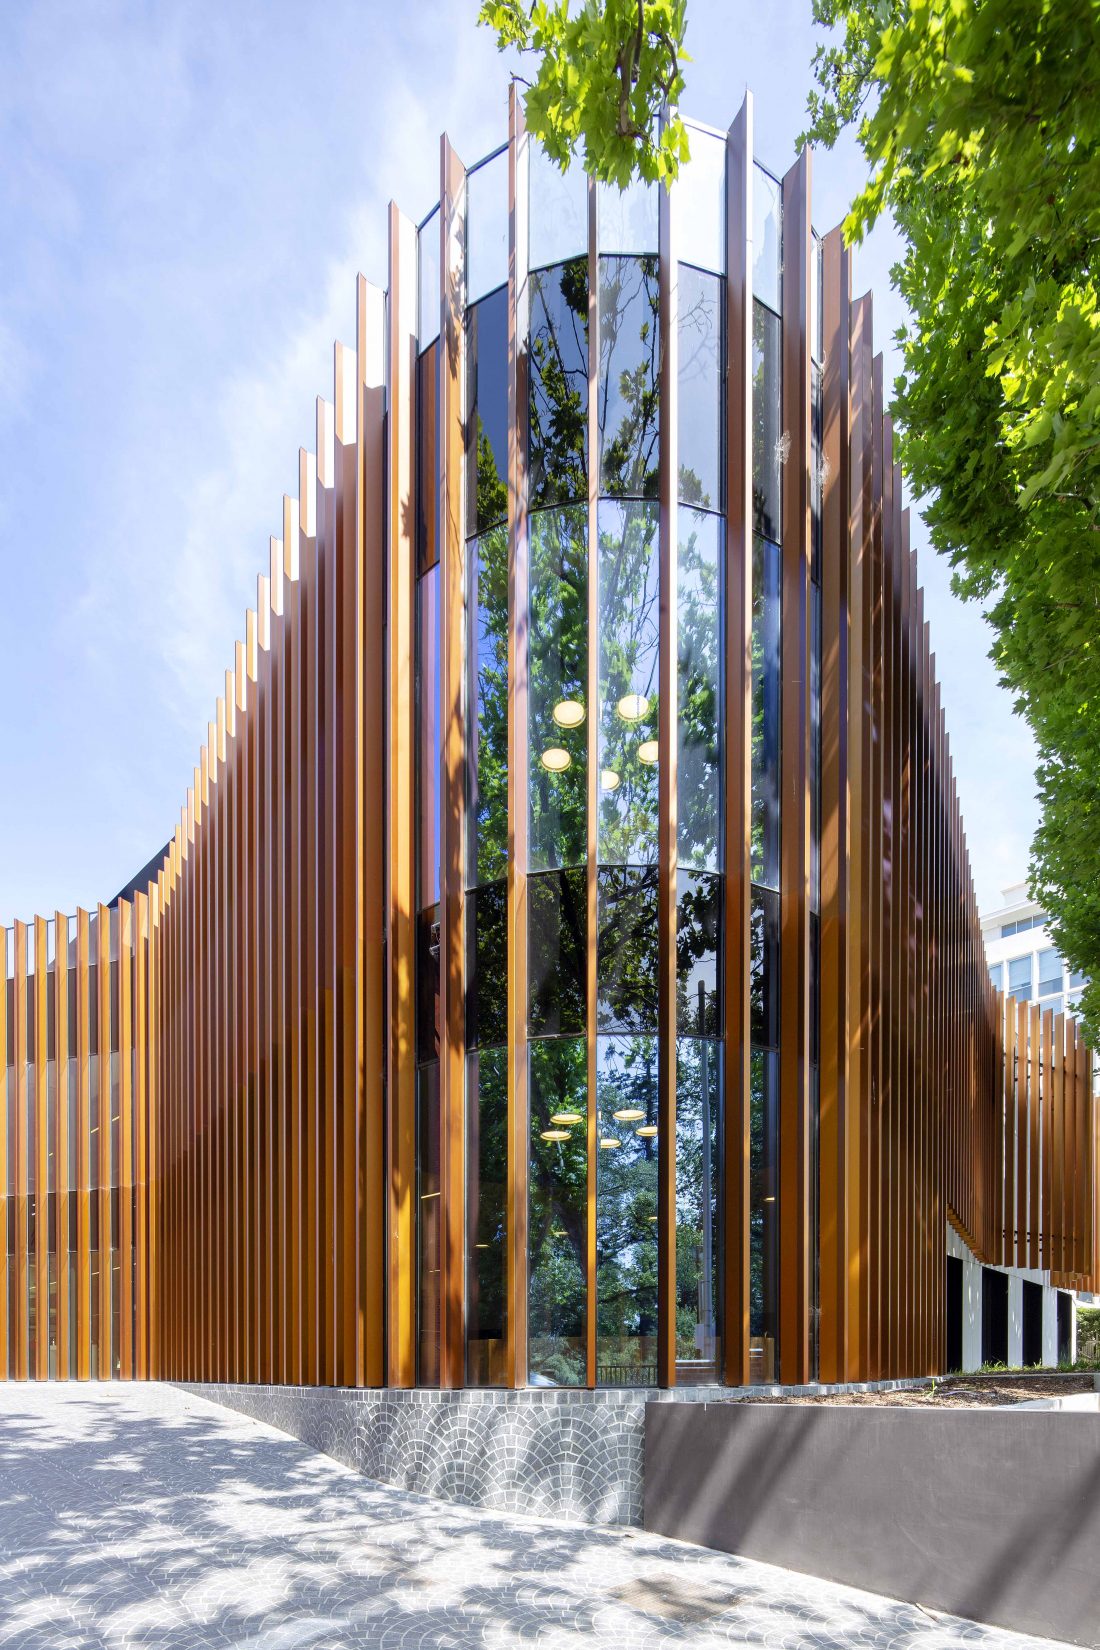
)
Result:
{"points": [[142, 1515]]}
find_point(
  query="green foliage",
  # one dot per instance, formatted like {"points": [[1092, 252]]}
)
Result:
{"points": [[607, 69], [980, 121]]}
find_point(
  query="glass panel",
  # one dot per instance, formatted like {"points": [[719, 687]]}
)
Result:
{"points": [[699, 201], [427, 1234], [627, 218], [487, 965], [557, 462], [626, 961], [427, 396], [558, 211], [764, 968], [698, 932], [817, 473], [626, 1211], [430, 304], [1007, 930], [701, 378], [1052, 1005], [558, 687], [817, 300], [629, 377], [997, 974], [1019, 977], [427, 984], [486, 227], [487, 699], [1077, 979], [699, 684], [767, 443], [767, 218], [487, 413], [1050, 972], [557, 1212], [698, 1210], [815, 747], [766, 666], [764, 1217], [486, 1205], [557, 926], [428, 710], [629, 593]]}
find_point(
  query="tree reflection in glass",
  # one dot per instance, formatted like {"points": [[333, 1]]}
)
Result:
{"points": [[486, 1204], [699, 679], [626, 962], [626, 1211], [629, 377], [698, 1220], [763, 1216], [557, 1211], [629, 617], [698, 928], [768, 446], [558, 688], [700, 378], [766, 665], [557, 462], [487, 699]]}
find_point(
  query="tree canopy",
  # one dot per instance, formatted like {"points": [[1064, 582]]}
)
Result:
{"points": [[979, 120], [607, 69]]}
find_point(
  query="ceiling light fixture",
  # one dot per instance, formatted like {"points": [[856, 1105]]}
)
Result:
{"points": [[555, 1134], [566, 1119], [633, 706], [555, 760], [628, 1114], [648, 752], [568, 713], [609, 779]]}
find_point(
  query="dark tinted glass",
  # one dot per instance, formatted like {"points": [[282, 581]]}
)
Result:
{"points": [[629, 377], [427, 393], [766, 418], [557, 1233], [487, 412], [701, 402], [698, 1209], [487, 697], [557, 469], [766, 665], [427, 739], [626, 962], [557, 925], [427, 984], [427, 1225], [487, 965], [698, 936], [486, 1203], [699, 685], [815, 747], [764, 1217], [558, 687], [626, 1211], [764, 968]]}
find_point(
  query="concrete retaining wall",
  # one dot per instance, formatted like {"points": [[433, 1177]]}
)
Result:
{"points": [[990, 1514]]}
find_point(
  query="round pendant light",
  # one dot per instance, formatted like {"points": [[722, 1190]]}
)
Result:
{"points": [[566, 1119], [633, 706], [609, 779], [648, 1131], [648, 752], [555, 1134], [609, 1143], [628, 1114], [555, 760], [568, 713]]}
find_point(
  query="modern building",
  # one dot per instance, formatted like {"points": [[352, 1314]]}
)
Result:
{"points": [[1023, 961], [565, 969]]}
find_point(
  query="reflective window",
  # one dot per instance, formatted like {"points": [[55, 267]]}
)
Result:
{"points": [[629, 595], [1077, 979], [817, 474], [698, 935], [486, 1205], [428, 710], [558, 687], [699, 201], [698, 1210], [427, 1225], [627, 218], [487, 965], [427, 406], [766, 676], [767, 443], [557, 928], [764, 968], [1052, 1005], [487, 413], [1050, 972], [817, 300], [701, 377], [763, 1216], [626, 1211], [699, 689], [815, 748], [427, 984], [558, 211], [487, 702], [430, 304], [629, 377], [486, 227], [557, 463], [1019, 978], [997, 974], [626, 961], [767, 220], [558, 1212]]}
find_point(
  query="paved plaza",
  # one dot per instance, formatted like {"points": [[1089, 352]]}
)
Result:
{"points": [[140, 1515]]}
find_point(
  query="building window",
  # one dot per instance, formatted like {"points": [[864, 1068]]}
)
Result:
{"points": [[558, 688], [997, 975], [1050, 972], [1019, 978], [557, 1212], [626, 1211], [629, 377]]}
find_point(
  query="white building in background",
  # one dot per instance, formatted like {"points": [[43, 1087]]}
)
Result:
{"points": [[1022, 959]]}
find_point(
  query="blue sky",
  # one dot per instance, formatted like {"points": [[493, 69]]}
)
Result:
{"points": [[187, 189]]}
